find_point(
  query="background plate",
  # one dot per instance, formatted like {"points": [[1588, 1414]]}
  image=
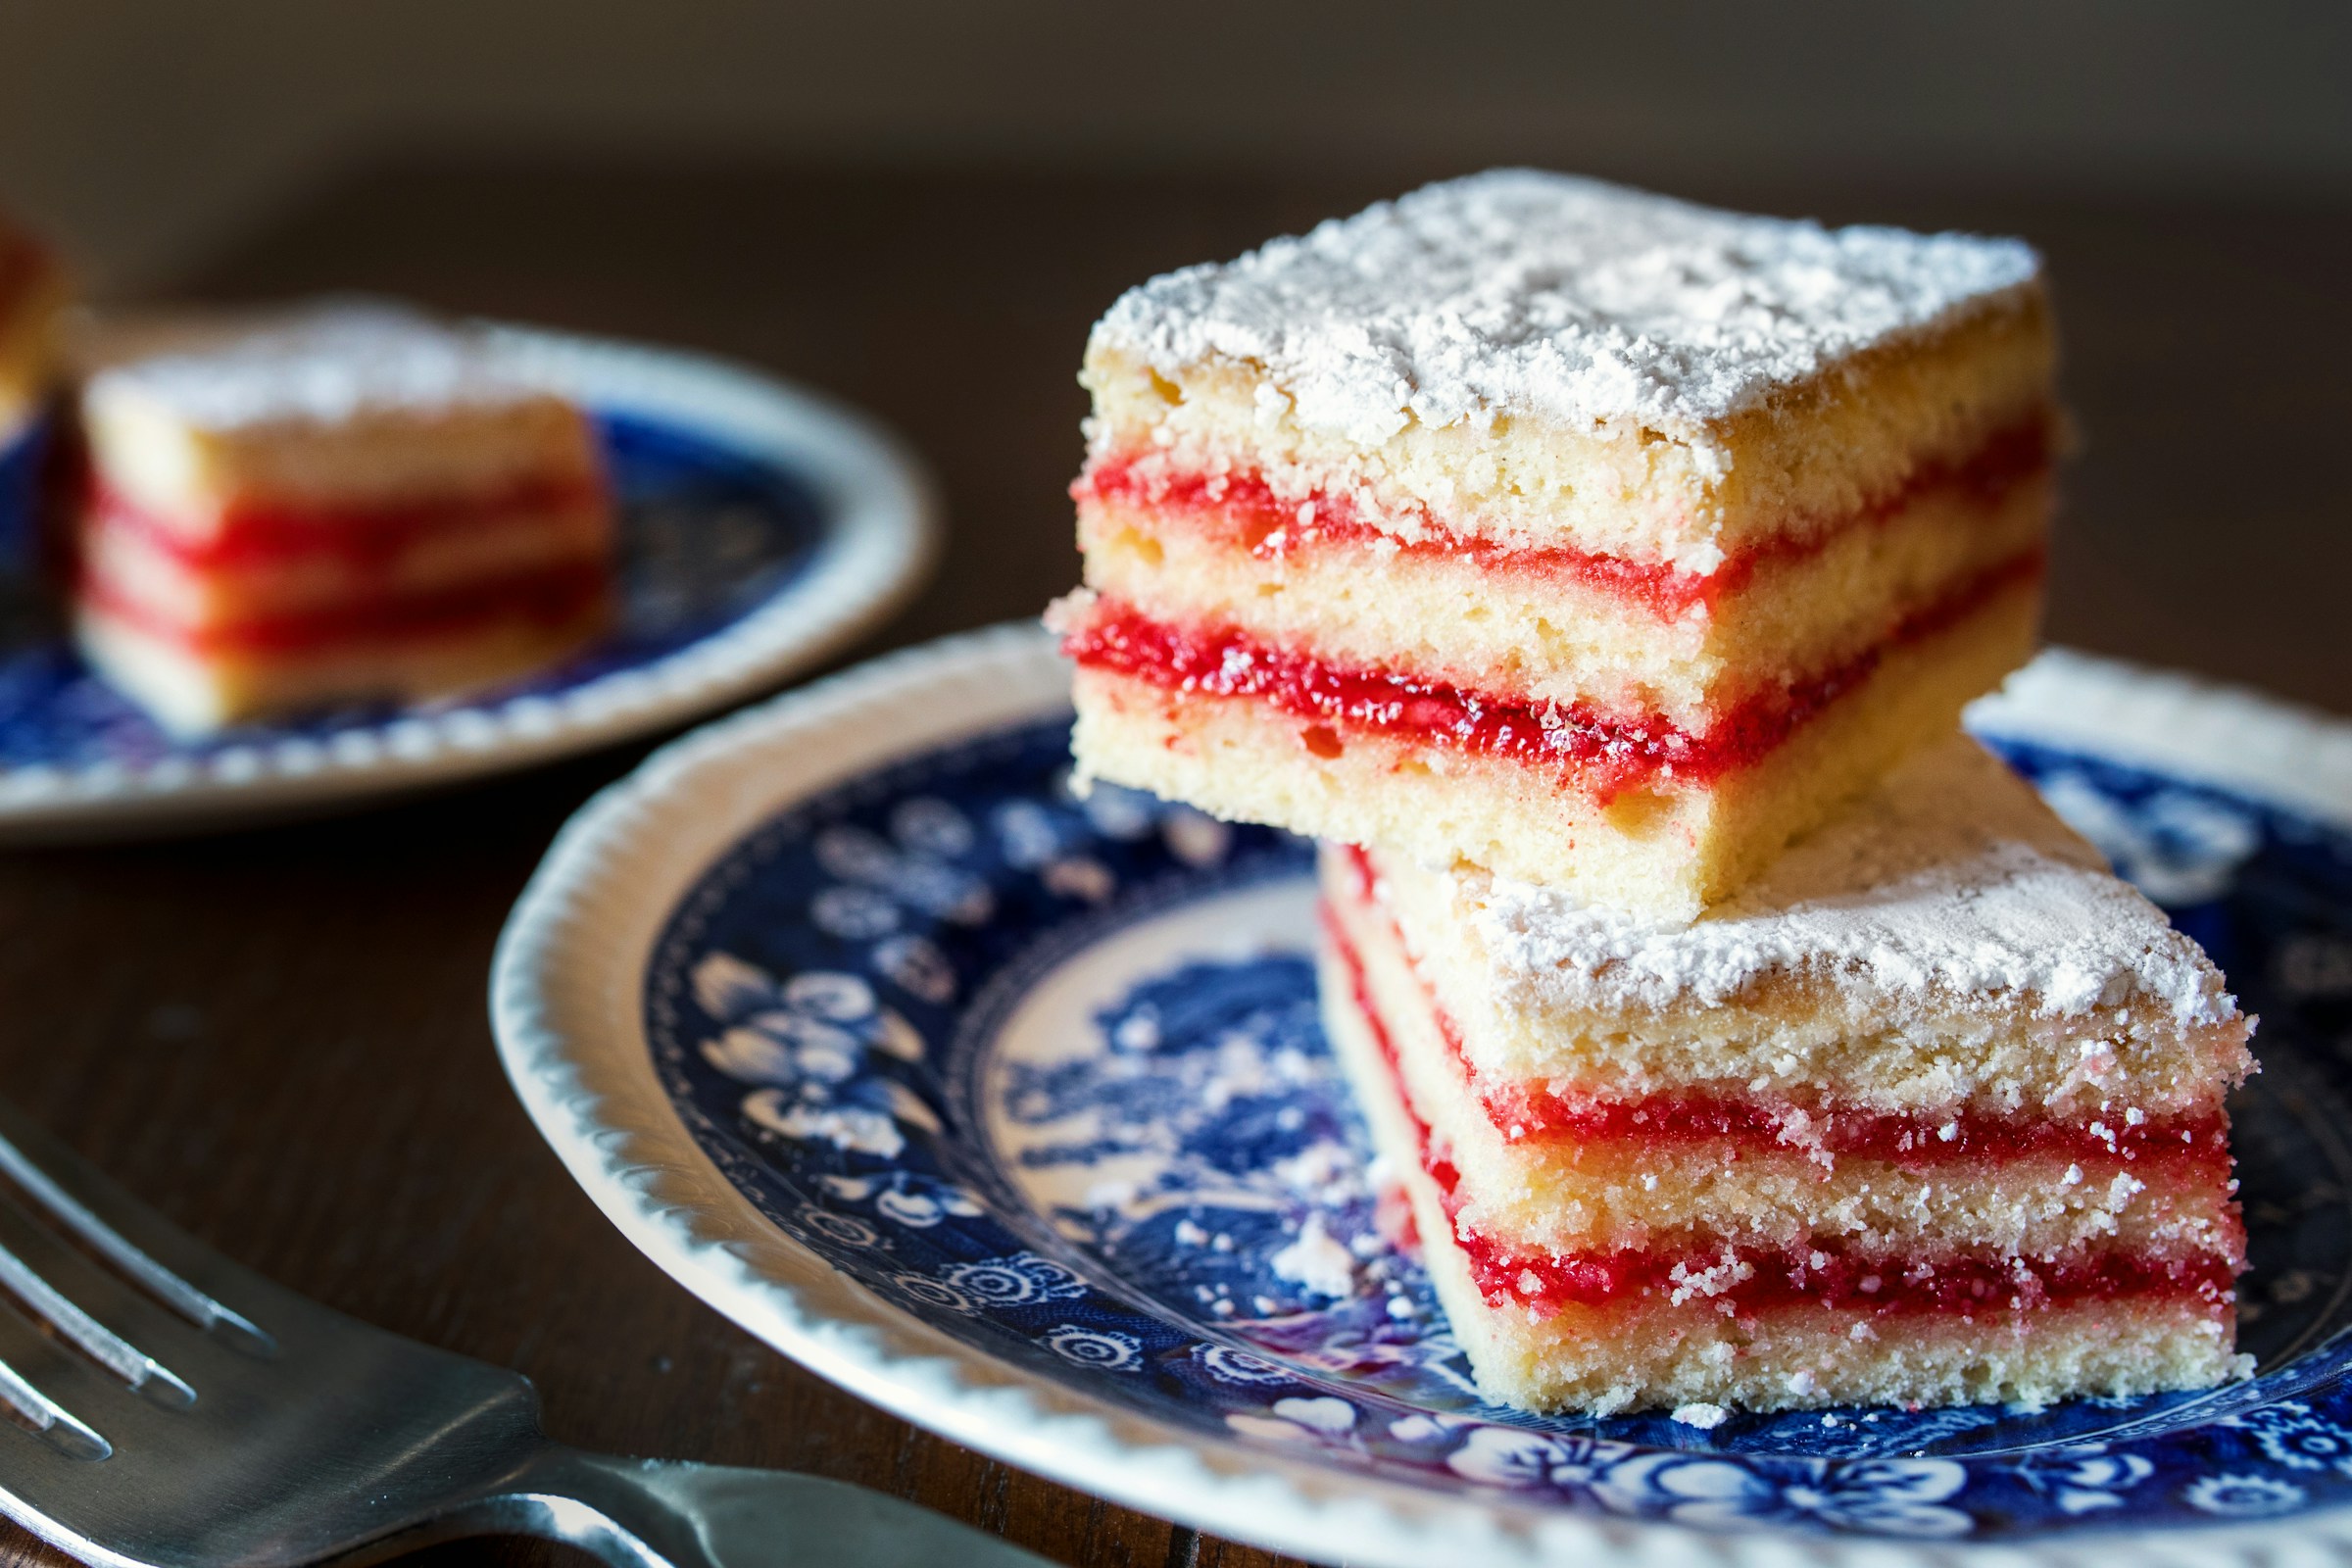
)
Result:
{"points": [[1009, 1113], [763, 527]]}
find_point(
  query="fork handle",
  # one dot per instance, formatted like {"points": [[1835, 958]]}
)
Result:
{"points": [[652, 1513]]}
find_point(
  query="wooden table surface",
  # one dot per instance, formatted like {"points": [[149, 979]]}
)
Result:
{"points": [[279, 1038]]}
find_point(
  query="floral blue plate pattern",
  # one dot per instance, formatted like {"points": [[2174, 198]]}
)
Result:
{"points": [[760, 528], [1011, 1111]]}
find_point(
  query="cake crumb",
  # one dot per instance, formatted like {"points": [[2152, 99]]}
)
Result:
{"points": [[1707, 1417], [1316, 1260]]}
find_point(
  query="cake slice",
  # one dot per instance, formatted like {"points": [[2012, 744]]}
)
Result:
{"points": [[339, 505], [1597, 538], [1932, 1111]]}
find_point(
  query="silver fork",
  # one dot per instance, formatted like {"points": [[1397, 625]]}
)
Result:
{"points": [[177, 1409]]}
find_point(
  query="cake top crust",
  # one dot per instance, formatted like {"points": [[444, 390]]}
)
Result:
{"points": [[321, 365], [1522, 292], [1951, 878]]}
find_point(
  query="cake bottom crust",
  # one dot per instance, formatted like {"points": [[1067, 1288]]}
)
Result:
{"points": [[1647, 1356], [1664, 851], [194, 694], [1649, 1353]]}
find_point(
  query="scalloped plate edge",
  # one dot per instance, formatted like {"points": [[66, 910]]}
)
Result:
{"points": [[566, 994], [2181, 725]]}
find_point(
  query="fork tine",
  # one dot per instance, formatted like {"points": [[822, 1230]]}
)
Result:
{"points": [[81, 1410], [96, 1313], [166, 1260], [52, 1422]]}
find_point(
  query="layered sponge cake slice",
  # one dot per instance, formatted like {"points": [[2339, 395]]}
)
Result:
{"points": [[1932, 1111], [1597, 538], [346, 503]]}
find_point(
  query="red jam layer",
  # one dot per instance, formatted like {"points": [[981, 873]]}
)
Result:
{"points": [[1533, 1113], [257, 533], [1244, 504], [1743, 1281], [542, 597], [1523, 1113], [1604, 753], [1359, 987]]}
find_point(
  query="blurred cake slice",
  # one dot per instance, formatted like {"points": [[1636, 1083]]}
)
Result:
{"points": [[1592, 536], [32, 295], [340, 505], [1932, 1112]]}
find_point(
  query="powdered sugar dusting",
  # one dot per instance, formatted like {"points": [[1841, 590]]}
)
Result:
{"points": [[1697, 1413], [1950, 878], [1317, 1260], [322, 365], [1522, 292]]}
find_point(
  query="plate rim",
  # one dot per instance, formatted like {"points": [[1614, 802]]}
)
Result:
{"points": [[879, 541], [565, 987]]}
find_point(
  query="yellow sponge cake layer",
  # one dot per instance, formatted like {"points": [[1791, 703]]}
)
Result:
{"points": [[333, 408], [1497, 786], [193, 692]]}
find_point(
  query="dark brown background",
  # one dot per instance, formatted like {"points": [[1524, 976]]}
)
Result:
{"points": [[279, 1037]]}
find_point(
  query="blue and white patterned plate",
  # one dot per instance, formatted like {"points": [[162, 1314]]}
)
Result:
{"points": [[1010, 1112], [23, 458], [761, 528]]}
